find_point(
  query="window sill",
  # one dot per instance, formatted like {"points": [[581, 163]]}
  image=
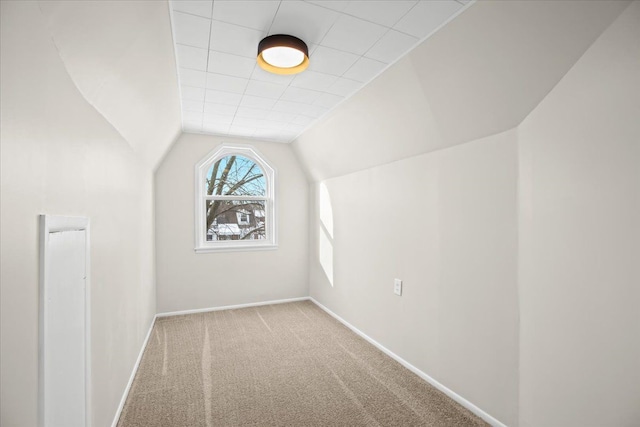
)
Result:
{"points": [[235, 248]]}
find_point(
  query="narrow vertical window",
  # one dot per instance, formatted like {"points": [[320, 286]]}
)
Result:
{"points": [[234, 201]]}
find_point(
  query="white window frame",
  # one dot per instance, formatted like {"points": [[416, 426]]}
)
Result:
{"points": [[201, 169]]}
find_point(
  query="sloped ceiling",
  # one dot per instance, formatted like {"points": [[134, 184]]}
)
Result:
{"points": [[488, 69], [481, 74], [120, 56], [225, 92]]}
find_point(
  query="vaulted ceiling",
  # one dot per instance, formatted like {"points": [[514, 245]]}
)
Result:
{"points": [[224, 92], [446, 71]]}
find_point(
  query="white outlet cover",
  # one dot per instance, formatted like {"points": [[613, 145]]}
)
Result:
{"points": [[397, 286]]}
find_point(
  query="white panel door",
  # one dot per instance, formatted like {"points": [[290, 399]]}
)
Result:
{"points": [[64, 329]]}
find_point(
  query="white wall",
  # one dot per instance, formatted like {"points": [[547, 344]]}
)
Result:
{"points": [[521, 266], [344, 141], [187, 280], [120, 53], [580, 241], [59, 156], [519, 251], [444, 223]]}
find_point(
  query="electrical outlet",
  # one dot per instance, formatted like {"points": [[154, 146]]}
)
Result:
{"points": [[397, 287]]}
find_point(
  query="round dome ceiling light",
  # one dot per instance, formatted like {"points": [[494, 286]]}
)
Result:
{"points": [[283, 54]]}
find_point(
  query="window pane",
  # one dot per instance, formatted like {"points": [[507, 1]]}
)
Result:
{"points": [[235, 176], [235, 220]]}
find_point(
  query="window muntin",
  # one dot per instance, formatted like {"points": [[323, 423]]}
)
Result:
{"points": [[234, 201], [235, 175]]}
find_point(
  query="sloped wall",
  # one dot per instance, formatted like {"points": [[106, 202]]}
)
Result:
{"points": [[580, 241], [388, 120], [120, 55], [187, 280], [487, 69], [479, 75], [61, 157]]}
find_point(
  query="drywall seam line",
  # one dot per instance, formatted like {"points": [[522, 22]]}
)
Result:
{"points": [[453, 395]]}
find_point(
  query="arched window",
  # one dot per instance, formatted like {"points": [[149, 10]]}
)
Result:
{"points": [[234, 201]]}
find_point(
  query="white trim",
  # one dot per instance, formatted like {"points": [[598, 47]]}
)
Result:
{"points": [[230, 307], [270, 175], [238, 248], [453, 395], [258, 198], [52, 224], [134, 371], [133, 374]]}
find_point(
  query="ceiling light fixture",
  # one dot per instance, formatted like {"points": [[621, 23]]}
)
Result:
{"points": [[283, 54]]}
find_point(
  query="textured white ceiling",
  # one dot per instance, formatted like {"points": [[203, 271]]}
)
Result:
{"points": [[224, 92]]}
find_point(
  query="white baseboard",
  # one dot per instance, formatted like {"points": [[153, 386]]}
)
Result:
{"points": [[177, 313], [453, 395], [231, 307], [133, 374], [461, 400]]}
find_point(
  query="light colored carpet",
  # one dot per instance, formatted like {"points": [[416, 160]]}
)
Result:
{"points": [[277, 365]]}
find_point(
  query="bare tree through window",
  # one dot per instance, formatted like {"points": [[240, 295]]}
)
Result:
{"points": [[237, 195]]}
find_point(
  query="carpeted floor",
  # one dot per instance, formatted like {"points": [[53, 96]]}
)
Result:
{"points": [[277, 365]]}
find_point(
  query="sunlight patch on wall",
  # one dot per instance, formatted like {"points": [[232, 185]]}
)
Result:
{"points": [[325, 240], [326, 211]]}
